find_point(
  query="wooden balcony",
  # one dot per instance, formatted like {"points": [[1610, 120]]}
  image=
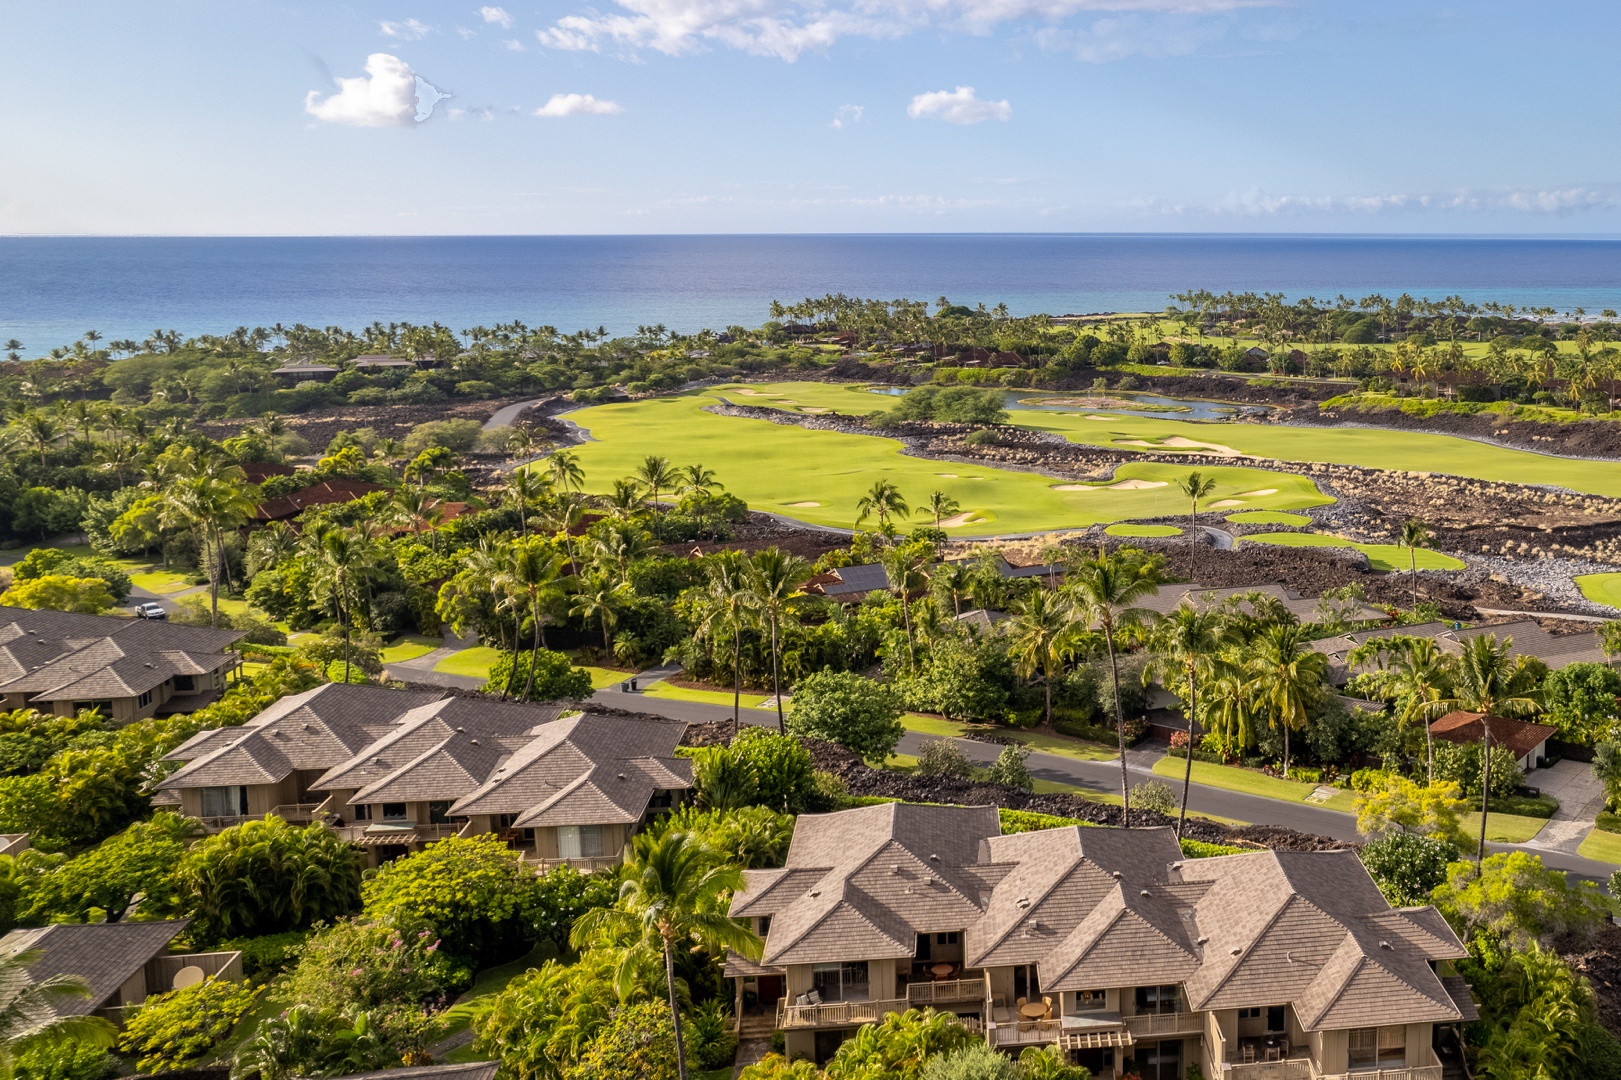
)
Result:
{"points": [[1165, 1025], [947, 992], [589, 864], [836, 1014], [1301, 1068], [1025, 1033]]}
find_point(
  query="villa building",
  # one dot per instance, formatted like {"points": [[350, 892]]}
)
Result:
{"points": [[395, 770], [1106, 942], [61, 662], [1526, 638]]}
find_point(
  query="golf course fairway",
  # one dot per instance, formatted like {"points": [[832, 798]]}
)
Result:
{"points": [[1375, 448], [818, 476]]}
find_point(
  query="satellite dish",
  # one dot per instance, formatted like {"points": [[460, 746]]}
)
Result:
{"points": [[190, 975]]}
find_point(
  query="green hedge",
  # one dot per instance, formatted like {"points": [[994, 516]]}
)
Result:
{"points": [[267, 651], [1609, 822]]}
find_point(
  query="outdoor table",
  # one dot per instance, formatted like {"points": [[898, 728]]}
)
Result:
{"points": [[940, 971], [1033, 1010]]}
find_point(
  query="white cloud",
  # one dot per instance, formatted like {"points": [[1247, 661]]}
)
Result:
{"points": [[409, 30], [390, 94], [959, 106], [1254, 203], [497, 15], [578, 105], [788, 28], [513, 45], [848, 115]]}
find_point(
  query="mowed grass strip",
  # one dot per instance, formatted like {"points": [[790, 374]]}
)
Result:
{"points": [[1377, 448], [1601, 846], [1232, 778], [1503, 828], [474, 663], [783, 468], [1601, 588], [1380, 556], [1143, 530], [1267, 517]]}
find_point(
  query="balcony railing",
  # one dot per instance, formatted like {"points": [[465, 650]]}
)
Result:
{"points": [[308, 811], [588, 864], [1431, 1071], [1025, 1032], [1157, 1025], [1304, 1068], [952, 991], [837, 1013]]}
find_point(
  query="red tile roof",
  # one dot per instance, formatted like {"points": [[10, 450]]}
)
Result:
{"points": [[1466, 727], [325, 493]]}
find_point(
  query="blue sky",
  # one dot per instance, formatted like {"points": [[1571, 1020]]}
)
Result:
{"points": [[647, 116]]}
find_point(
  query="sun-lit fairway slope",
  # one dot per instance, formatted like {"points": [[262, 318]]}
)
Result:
{"points": [[1380, 556], [1372, 448], [782, 468], [1601, 588]]}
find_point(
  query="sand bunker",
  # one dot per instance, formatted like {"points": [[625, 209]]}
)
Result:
{"points": [[809, 409], [755, 393], [1177, 442], [969, 517], [1227, 502], [947, 475], [1258, 491], [803, 504], [1124, 485]]}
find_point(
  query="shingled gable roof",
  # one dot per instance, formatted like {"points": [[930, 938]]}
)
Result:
{"points": [[1312, 928], [867, 881], [1520, 736], [1080, 902], [312, 730], [508, 724], [104, 955], [588, 770], [56, 655]]}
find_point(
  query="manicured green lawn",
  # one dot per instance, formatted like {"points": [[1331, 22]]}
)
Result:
{"points": [[1504, 828], [1601, 588], [602, 678], [1380, 556], [408, 647], [1379, 448], [475, 662], [1601, 845], [164, 582], [1235, 779], [1143, 530], [709, 697], [1061, 745], [1267, 517], [932, 725], [817, 476]]}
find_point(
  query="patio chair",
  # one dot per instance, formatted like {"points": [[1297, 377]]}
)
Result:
{"points": [[1049, 1003], [815, 997], [1246, 1053]]}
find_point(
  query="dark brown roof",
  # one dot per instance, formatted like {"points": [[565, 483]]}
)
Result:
{"points": [[104, 955], [1466, 727], [62, 656], [325, 493]]}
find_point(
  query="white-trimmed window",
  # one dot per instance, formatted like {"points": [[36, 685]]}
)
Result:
{"points": [[579, 841], [224, 801], [841, 982], [1378, 1048]]}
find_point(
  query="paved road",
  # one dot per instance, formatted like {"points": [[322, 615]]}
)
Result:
{"points": [[1104, 776], [504, 416]]}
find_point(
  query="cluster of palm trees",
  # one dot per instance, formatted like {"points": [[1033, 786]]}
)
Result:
{"points": [[108, 434], [759, 592], [885, 502], [1425, 683]]}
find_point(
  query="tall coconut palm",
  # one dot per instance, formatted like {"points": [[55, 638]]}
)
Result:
{"points": [[903, 566], [30, 1012], [1492, 683], [523, 488], [1105, 591], [724, 606], [1196, 485], [1286, 677], [564, 467], [673, 891], [772, 580], [659, 475], [884, 500], [1187, 643], [625, 499], [213, 499], [596, 596], [534, 567], [940, 506], [1414, 535], [699, 482], [1415, 674], [1041, 637], [344, 565]]}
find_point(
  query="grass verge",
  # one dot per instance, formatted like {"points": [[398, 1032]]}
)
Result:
{"points": [[1503, 828], [1235, 779], [408, 647], [708, 697], [1601, 846], [474, 663]]}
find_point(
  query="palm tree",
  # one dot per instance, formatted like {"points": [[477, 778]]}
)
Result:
{"points": [[673, 890], [700, 482], [658, 474], [903, 565], [1489, 682], [564, 466], [1196, 486], [883, 499], [1286, 677], [625, 499], [956, 578], [939, 506], [213, 498], [595, 595], [1041, 637], [1105, 590], [725, 602], [772, 580], [523, 487], [41, 430], [1414, 535], [534, 568], [1188, 642], [1415, 674], [30, 1012], [344, 563]]}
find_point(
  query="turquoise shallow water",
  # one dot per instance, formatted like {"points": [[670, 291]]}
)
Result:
{"points": [[52, 289]]}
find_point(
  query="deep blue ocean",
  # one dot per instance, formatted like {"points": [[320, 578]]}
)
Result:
{"points": [[52, 289]]}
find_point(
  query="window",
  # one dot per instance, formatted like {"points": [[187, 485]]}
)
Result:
{"points": [[143, 700], [1378, 1048], [393, 811], [1160, 1061], [763, 925], [1089, 1001], [225, 801], [1250, 1014], [439, 813], [947, 939], [1026, 982], [840, 982], [1157, 999], [362, 812], [579, 841], [185, 684]]}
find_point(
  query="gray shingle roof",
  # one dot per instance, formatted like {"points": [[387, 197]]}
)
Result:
{"points": [[57, 656], [1527, 638], [104, 955]]}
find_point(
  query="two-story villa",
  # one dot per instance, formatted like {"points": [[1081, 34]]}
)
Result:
{"points": [[1107, 942]]}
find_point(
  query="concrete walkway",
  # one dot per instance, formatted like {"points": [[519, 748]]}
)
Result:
{"points": [[420, 669], [1580, 796], [504, 416]]}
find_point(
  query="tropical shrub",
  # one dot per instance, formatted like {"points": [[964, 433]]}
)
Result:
{"points": [[563, 894], [847, 709], [751, 837], [1010, 769], [59, 592], [556, 678], [1423, 810], [268, 954], [776, 1067], [1514, 896], [42, 562], [352, 964], [897, 1048], [974, 1062], [723, 779], [942, 757], [1581, 701], [307, 1041], [1535, 1012], [1459, 763], [469, 893], [708, 1032], [544, 1018], [265, 877], [1154, 795], [139, 861], [65, 1060], [1407, 867], [637, 1043], [171, 1031], [783, 770]]}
